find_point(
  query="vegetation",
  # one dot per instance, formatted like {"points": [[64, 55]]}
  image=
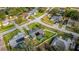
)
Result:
{"points": [[41, 9], [54, 11], [20, 20], [31, 17], [73, 14], [5, 28], [2, 17], [9, 36], [38, 14], [46, 20], [34, 25], [17, 11], [73, 29]]}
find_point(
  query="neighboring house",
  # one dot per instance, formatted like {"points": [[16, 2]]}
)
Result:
{"points": [[72, 23], [38, 33], [16, 40], [56, 18], [59, 44]]}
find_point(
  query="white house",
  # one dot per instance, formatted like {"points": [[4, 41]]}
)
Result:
{"points": [[56, 18], [59, 44], [16, 40]]}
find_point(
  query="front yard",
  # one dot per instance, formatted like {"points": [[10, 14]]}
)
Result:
{"points": [[5, 28], [46, 20]]}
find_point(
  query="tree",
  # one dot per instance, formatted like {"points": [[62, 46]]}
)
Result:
{"points": [[17, 11], [54, 11], [2, 16], [41, 10], [19, 19], [71, 13]]}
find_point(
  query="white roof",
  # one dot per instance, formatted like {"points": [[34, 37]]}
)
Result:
{"points": [[13, 42]]}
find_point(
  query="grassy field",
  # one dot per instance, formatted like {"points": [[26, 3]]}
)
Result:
{"points": [[46, 20], [20, 20], [31, 17], [5, 28], [34, 25], [38, 14]]}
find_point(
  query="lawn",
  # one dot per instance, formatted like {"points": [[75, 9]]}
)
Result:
{"points": [[20, 20], [25, 30], [31, 17], [8, 27], [34, 25], [48, 37], [64, 35], [38, 14], [49, 34], [46, 20], [9, 36]]}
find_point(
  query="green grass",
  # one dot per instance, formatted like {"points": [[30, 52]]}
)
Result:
{"points": [[21, 21], [46, 20], [47, 38], [34, 25], [60, 25], [25, 30], [38, 14], [48, 34], [5, 28], [31, 17], [9, 36], [64, 35]]}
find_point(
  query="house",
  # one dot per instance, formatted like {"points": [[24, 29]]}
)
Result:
{"points": [[72, 23], [16, 40], [59, 44], [56, 19], [38, 33]]}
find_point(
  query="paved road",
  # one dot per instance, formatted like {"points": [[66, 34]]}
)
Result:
{"points": [[1, 34], [16, 26], [39, 20], [62, 30], [32, 12]]}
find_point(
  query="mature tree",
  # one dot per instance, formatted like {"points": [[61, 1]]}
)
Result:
{"points": [[54, 11], [2, 16], [41, 10], [17, 11], [19, 19], [73, 14]]}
